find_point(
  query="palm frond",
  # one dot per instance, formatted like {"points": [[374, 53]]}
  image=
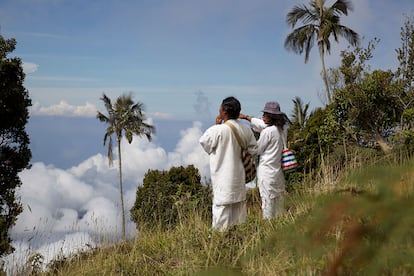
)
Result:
{"points": [[299, 13], [300, 39], [351, 36], [341, 7], [300, 111], [107, 103], [101, 117]]}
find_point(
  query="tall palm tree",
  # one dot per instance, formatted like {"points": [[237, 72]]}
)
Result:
{"points": [[300, 112], [124, 117], [318, 23]]}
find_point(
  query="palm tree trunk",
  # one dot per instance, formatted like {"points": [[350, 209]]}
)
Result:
{"points": [[120, 188], [324, 75]]}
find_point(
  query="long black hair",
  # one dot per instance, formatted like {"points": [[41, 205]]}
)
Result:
{"points": [[278, 120]]}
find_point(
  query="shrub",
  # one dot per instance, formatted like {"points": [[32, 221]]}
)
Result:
{"points": [[166, 198]]}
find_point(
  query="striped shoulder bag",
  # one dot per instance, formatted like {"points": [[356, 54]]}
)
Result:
{"points": [[289, 162]]}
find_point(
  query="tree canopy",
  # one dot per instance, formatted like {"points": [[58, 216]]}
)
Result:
{"points": [[15, 153]]}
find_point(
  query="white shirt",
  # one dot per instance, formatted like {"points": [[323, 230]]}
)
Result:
{"points": [[226, 167], [258, 124]]}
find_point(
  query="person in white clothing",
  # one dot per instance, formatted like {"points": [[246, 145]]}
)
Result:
{"points": [[226, 167], [270, 176]]}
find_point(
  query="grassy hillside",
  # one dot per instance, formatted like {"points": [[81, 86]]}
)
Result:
{"points": [[363, 225]]}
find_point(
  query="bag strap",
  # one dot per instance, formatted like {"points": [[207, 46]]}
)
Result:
{"points": [[234, 130], [282, 136]]}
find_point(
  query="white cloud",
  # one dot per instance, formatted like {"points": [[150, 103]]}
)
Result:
{"points": [[29, 67], [64, 109], [70, 210], [161, 115], [88, 110], [189, 151]]}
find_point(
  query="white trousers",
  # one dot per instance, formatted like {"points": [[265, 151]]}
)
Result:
{"points": [[228, 215], [273, 207]]}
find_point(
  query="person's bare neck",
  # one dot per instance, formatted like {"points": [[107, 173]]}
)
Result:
{"points": [[225, 118]]}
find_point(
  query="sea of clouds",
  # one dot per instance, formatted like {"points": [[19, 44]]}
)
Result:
{"points": [[73, 209]]}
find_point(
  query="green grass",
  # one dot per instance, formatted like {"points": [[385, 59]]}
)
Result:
{"points": [[361, 226]]}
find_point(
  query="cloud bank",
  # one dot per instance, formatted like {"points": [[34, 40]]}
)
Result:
{"points": [[64, 109], [70, 210], [87, 110]]}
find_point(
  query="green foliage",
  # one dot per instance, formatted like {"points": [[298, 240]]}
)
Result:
{"points": [[405, 56], [294, 181], [371, 106], [403, 140], [323, 142], [368, 105], [405, 73], [300, 112], [354, 62], [316, 137], [404, 144], [15, 153], [304, 142], [166, 198]]}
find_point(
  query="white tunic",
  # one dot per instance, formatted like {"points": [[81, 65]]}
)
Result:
{"points": [[271, 180], [226, 168]]}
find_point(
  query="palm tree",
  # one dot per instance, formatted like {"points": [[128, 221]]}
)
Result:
{"points": [[124, 117], [320, 23], [300, 112]]}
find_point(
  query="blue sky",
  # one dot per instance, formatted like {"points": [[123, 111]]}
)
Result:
{"points": [[180, 58], [167, 51]]}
